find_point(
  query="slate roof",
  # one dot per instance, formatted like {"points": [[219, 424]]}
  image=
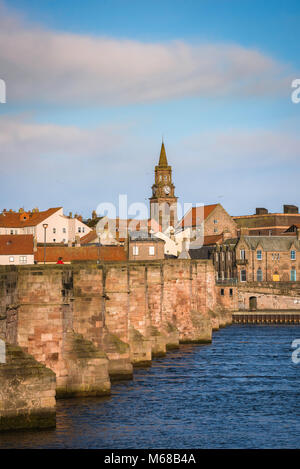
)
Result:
{"points": [[272, 243]]}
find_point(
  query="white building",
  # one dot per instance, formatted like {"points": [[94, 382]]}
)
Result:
{"points": [[58, 227], [16, 250]]}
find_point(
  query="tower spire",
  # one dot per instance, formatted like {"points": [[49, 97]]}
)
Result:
{"points": [[163, 157]]}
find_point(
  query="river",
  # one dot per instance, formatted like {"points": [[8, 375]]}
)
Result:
{"points": [[241, 391]]}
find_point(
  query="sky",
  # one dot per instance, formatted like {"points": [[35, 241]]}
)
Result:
{"points": [[92, 87]]}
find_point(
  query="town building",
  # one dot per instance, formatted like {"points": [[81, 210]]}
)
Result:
{"points": [[16, 250], [50, 226], [263, 223], [268, 258], [144, 246], [163, 202], [209, 221]]}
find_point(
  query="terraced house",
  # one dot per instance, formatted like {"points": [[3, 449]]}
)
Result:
{"points": [[268, 258]]}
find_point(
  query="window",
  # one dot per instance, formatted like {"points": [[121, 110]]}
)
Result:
{"points": [[64, 240], [64, 230], [54, 230], [83, 229], [217, 257], [242, 254], [215, 230], [222, 291], [11, 259], [79, 229], [54, 240], [243, 275], [230, 291], [275, 256], [293, 255], [151, 251], [23, 259], [135, 250], [259, 255], [259, 275], [215, 222], [11, 231], [293, 275]]}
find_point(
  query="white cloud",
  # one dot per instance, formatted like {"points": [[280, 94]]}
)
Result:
{"points": [[237, 148], [58, 68]]}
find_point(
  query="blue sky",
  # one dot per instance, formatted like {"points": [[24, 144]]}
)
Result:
{"points": [[92, 86]]}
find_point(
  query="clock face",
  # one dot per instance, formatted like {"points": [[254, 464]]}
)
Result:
{"points": [[167, 190]]}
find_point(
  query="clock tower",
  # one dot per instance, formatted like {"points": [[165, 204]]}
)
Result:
{"points": [[163, 203]]}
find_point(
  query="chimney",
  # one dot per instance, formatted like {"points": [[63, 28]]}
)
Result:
{"points": [[70, 214], [77, 241], [261, 211], [79, 217], [244, 231], [290, 209], [94, 214]]}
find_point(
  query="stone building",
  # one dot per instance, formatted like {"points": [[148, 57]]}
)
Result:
{"points": [[143, 246], [268, 258], [209, 220], [263, 223]]}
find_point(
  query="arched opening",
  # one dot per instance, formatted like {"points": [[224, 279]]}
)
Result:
{"points": [[253, 303]]}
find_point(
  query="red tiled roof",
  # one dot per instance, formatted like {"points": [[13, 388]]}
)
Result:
{"points": [[212, 239], [19, 220], [82, 253], [16, 244], [189, 220], [88, 238]]}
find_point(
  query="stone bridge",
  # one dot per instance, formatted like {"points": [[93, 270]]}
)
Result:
{"points": [[72, 330]]}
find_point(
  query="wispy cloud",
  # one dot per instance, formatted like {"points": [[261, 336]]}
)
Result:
{"points": [[46, 66]]}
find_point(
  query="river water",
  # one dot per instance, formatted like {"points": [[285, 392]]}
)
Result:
{"points": [[241, 391]]}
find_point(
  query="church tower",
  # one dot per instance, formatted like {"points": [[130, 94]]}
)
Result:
{"points": [[163, 203]]}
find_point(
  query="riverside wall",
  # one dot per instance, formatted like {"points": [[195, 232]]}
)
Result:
{"points": [[84, 325]]}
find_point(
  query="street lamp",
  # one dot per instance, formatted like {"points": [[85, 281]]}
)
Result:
{"points": [[45, 226]]}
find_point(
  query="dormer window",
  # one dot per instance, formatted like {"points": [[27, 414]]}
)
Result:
{"points": [[259, 255], [293, 255]]}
